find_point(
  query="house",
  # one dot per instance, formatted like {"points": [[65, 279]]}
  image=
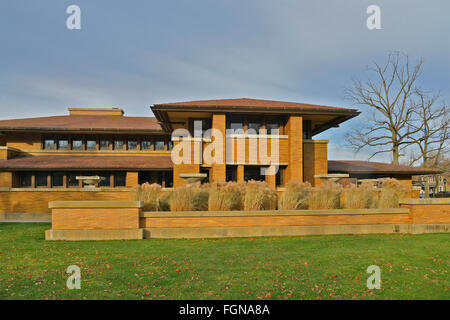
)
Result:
{"points": [[49, 153]]}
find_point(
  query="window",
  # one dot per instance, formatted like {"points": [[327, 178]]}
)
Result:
{"points": [[231, 173], [104, 144], [132, 144], [169, 179], [199, 127], [170, 144], [63, 143], [253, 173], [118, 144], [272, 128], [253, 127], [72, 180], [279, 179], [41, 179], [236, 124], [91, 143], [49, 144], [57, 179], [146, 144], [107, 179], [159, 143], [24, 179], [119, 179], [77, 144]]}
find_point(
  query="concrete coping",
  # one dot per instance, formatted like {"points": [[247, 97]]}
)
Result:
{"points": [[425, 201], [95, 204], [169, 214]]}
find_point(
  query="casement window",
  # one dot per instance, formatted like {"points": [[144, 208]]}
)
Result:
{"points": [[231, 173], [118, 144], [253, 127], [119, 179], [72, 179], [253, 173], [132, 144], [279, 179], [58, 179], [91, 143], [169, 144], [272, 128], [41, 179], [49, 144], [77, 144], [104, 144], [159, 143], [25, 179], [63, 143], [146, 144]]}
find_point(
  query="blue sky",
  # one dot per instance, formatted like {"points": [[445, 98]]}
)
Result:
{"points": [[132, 54]]}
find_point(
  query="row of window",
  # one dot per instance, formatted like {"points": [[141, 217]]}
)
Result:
{"points": [[67, 179], [104, 142], [254, 173], [272, 124]]}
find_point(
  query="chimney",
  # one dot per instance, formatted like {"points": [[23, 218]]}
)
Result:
{"points": [[96, 111]]}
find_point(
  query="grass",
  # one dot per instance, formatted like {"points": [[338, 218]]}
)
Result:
{"points": [[314, 267]]}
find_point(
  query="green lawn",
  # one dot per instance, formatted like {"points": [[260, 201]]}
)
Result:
{"points": [[314, 267]]}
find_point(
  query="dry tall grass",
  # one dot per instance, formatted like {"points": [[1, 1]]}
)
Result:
{"points": [[259, 196], [152, 195], [391, 191], [191, 197], [326, 196], [362, 197], [295, 197], [226, 196]]}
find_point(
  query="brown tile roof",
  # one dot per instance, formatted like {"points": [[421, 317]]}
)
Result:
{"points": [[110, 123], [356, 166], [86, 162], [246, 103]]}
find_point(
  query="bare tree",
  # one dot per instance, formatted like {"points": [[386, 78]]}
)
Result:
{"points": [[389, 94], [431, 127]]}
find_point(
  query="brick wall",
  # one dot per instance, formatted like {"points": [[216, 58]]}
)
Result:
{"points": [[428, 210], [34, 201], [218, 170], [295, 146], [315, 160], [95, 218]]}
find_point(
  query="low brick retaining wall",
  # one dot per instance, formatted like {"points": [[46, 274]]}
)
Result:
{"points": [[106, 220], [95, 220]]}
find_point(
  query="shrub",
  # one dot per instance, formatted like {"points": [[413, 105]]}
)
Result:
{"points": [[295, 197], [226, 196], [326, 196], [391, 191], [152, 196], [191, 197], [259, 196], [362, 197]]}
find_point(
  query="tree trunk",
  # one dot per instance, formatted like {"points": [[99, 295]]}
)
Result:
{"points": [[395, 154]]}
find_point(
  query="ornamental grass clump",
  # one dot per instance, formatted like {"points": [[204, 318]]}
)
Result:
{"points": [[259, 196], [226, 196], [391, 191], [152, 195], [326, 196], [359, 197], [295, 197], [191, 197]]}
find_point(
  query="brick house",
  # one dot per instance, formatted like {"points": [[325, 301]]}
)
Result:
{"points": [[48, 153]]}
